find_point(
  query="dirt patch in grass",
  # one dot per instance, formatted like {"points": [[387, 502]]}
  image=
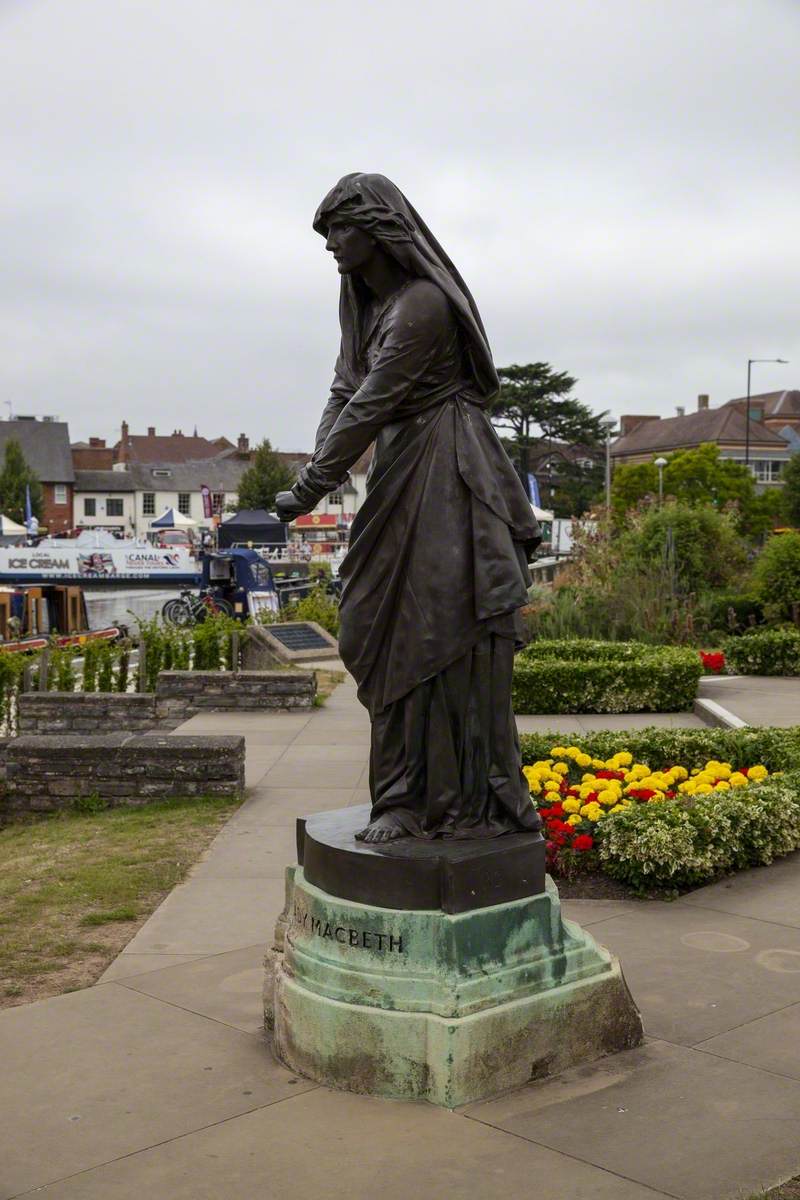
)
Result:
{"points": [[75, 887], [784, 1191]]}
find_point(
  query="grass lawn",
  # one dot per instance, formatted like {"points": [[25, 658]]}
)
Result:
{"points": [[786, 1191], [75, 887]]}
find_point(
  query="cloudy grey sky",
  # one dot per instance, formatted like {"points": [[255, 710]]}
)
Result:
{"points": [[616, 179]]}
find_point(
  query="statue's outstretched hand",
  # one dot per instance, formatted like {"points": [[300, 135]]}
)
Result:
{"points": [[287, 506]]}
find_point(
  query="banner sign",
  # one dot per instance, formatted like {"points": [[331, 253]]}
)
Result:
{"points": [[205, 492]]}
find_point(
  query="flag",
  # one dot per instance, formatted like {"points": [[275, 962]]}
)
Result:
{"points": [[205, 492], [533, 491], [28, 508]]}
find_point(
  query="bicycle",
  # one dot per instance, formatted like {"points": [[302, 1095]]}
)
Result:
{"points": [[192, 609]]}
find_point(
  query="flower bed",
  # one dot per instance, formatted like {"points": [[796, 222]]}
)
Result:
{"points": [[765, 652], [674, 825], [604, 677]]}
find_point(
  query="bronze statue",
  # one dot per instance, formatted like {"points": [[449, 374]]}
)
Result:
{"points": [[437, 566]]}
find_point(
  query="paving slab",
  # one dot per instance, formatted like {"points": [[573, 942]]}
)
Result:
{"points": [[105, 1072], [673, 1118], [226, 987], [548, 724], [210, 915], [592, 912], [277, 808], [339, 1147], [696, 973], [757, 699], [772, 1043], [126, 965], [766, 893], [248, 852], [322, 775]]}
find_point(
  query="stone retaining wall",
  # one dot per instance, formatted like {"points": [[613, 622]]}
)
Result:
{"points": [[86, 712], [181, 694], [53, 772]]}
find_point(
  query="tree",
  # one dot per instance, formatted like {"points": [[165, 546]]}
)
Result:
{"points": [[534, 403], [264, 478], [15, 477], [696, 477], [790, 495]]}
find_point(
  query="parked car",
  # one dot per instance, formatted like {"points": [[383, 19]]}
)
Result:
{"points": [[170, 539]]}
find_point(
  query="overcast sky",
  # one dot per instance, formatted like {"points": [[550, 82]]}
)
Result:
{"points": [[617, 180]]}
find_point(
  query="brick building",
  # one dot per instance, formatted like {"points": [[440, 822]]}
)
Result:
{"points": [[45, 445]]}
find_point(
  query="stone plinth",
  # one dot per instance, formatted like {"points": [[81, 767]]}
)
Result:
{"points": [[449, 1007]]}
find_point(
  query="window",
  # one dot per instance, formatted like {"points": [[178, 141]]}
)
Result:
{"points": [[217, 502], [148, 504], [60, 493], [334, 498], [185, 503], [114, 506], [764, 470], [90, 507]]}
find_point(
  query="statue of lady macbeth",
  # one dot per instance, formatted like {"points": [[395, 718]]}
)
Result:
{"points": [[437, 565]]}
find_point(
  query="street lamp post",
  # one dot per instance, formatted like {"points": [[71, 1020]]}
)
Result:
{"points": [[661, 463], [750, 362]]}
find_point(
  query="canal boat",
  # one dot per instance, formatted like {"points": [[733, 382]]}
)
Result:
{"points": [[34, 617]]}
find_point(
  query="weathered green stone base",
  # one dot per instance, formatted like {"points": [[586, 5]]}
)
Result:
{"points": [[447, 1008]]}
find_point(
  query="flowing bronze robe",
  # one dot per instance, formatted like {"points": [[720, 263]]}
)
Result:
{"points": [[435, 572]]}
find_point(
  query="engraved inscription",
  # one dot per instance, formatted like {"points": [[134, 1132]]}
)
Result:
{"points": [[365, 939]]}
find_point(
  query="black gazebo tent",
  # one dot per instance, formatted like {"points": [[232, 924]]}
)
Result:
{"points": [[253, 525]]}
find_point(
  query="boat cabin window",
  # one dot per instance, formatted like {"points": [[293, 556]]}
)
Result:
{"points": [[220, 570]]}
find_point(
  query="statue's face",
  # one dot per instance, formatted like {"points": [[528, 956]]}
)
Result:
{"points": [[350, 246]]}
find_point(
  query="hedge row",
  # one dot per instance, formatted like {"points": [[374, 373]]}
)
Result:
{"points": [[581, 675], [765, 652], [778, 749]]}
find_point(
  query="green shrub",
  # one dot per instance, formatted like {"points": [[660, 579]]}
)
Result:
{"points": [[765, 652], [777, 573], [731, 612], [699, 547], [687, 843], [317, 606], [612, 677], [778, 749]]}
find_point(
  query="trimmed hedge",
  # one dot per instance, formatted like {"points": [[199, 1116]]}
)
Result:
{"points": [[777, 748], [581, 675], [765, 652]]}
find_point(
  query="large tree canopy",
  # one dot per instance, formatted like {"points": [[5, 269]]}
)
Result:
{"points": [[15, 477], [264, 478], [534, 404]]}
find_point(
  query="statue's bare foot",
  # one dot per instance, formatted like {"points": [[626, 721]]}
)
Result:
{"points": [[384, 828]]}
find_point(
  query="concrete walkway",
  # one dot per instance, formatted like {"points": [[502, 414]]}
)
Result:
{"points": [[755, 699], [157, 1084]]}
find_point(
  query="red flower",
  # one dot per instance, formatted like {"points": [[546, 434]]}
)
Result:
{"points": [[583, 842], [606, 774], [641, 793], [713, 660], [556, 810]]}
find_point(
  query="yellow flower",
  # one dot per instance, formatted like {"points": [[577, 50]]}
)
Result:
{"points": [[737, 779], [703, 788], [757, 772], [624, 759], [552, 785], [558, 752], [571, 804], [583, 760], [573, 820], [607, 796], [561, 768], [722, 786]]}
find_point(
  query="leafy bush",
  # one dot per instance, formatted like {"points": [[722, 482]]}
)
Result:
{"points": [[317, 606], [612, 677], [698, 547], [777, 573], [731, 612], [675, 844], [765, 652], [778, 749]]}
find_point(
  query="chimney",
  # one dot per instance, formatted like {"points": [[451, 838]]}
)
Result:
{"points": [[151, 431], [680, 410], [628, 423], [100, 443], [243, 443], [123, 443], [702, 402]]}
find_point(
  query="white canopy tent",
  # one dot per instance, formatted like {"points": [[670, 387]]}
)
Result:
{"points": [[9, 528], [172, 519]]}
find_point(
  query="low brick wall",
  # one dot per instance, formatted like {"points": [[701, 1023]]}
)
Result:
{"points": [[86, 712], [53, 772], [181, 694]]}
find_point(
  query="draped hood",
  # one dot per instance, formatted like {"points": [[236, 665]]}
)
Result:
{"points": [[376, 205]]}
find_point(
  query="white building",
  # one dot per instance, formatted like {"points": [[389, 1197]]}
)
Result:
{"points": [[131, 496]]}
